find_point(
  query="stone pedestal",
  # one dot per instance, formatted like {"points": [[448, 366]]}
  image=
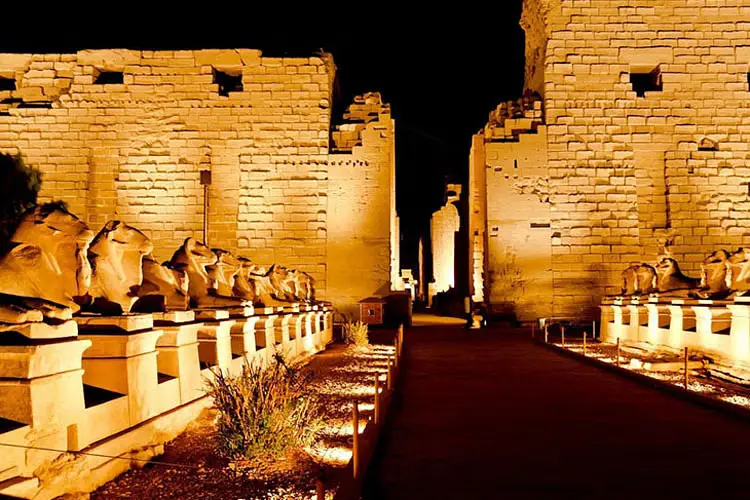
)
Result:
{"points": [[285, 331], [125, 363], [178, 357], [713, 323], [243, 342], [215, 344], [265, 336], [658, 323], [739, 336], [41, 385]]}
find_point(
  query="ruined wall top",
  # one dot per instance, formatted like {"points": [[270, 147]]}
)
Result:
{"points": [[49, 80], [512, 118], [365, 109]]}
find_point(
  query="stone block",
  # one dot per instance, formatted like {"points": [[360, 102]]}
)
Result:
{"points": [[125, 363], [215, 344]]}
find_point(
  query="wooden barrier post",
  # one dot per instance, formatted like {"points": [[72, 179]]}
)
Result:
{"points": [[546, 333], [355, 439], [617, 360], [320, 487], [389, 376], [686, 369], [532, 331], [593, 330], [562, 331], [376, 411], [395, 353], [584, 342], [400, 338]]}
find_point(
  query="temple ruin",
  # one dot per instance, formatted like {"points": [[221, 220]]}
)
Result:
{"points": [[210, 213], [642, 125], [125, 134]]}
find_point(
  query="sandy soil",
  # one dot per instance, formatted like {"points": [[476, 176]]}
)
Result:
{"points": [[191, 468]]}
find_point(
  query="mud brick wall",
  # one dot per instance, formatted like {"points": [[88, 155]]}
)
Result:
{"points": [[633, 176], [130, 146]]}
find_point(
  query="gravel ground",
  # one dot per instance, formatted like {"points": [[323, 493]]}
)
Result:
{"points": [[192, 469], [645, 362]]}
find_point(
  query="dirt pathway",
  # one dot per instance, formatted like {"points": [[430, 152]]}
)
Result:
{"points": [[487, 414]]}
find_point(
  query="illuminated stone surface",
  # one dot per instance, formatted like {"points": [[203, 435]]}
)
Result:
{"points": [[443, 227], [645, 110], [285, 189]]}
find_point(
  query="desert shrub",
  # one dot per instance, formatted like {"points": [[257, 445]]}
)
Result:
{"points": [[19, 187], [264, 411], [355, 332]]}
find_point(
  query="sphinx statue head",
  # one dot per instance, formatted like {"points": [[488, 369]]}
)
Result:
{"points": [[282, 283], [116, 256], [224, 272], [163, 288], [638, 279], [47, 260], [244, 286], [195, 258], [671, 281], [738, 271], [714, 276]]}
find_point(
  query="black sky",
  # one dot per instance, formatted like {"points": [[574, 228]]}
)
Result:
{"points": [[442, 74]]}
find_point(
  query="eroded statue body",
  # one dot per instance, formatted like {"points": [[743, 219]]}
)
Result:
{"points": [[193, 257], [46, 267], [671, 282], [116, 256], [244, 286], [714, 276], [738, 272], [639, 279], [163, 288]]}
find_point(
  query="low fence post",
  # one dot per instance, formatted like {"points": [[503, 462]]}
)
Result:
{"points": [[617, 359], [355, 439], [320, 487], [593, 330], [389, 376], [532, 331], [584, 342], [376, 410], [546, 334], [686, 369], [562, 331], [395, 353], [400, 338]]}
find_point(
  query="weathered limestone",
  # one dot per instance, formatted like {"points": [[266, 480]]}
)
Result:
{"points": [[362, 230], [509, 212], [444, 225], [635, 170], [48, 260], [125, 363], [116, 257]]}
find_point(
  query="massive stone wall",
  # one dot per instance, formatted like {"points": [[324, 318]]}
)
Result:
{"points": [[477, 198], [634, 174], [124, 134], [362, 225], [510, 213]]}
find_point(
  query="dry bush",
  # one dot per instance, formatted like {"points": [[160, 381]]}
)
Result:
{"points": [[264, 411], [356, 333]]}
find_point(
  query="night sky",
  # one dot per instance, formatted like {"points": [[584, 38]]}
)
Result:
{"points": [[441, 74]]}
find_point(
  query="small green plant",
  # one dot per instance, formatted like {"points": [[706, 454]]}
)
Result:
{"points": [[264, 411], [355, 333], [19, 187]]}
